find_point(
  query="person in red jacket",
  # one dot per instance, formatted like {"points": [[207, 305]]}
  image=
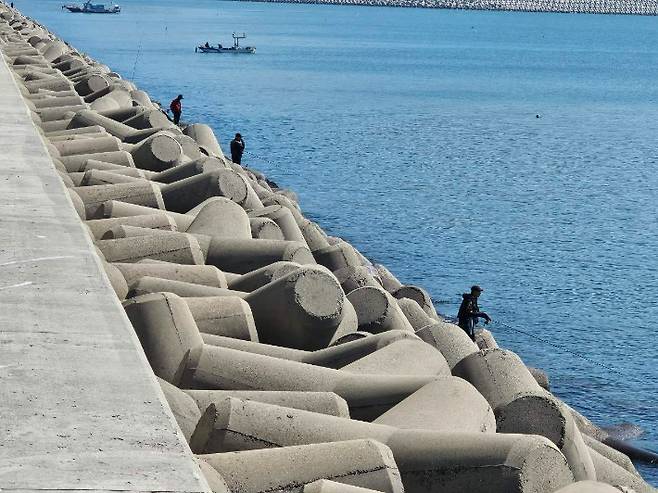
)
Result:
{"points": [[176, 108]]}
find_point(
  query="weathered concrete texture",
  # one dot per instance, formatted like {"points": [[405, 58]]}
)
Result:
{"points": [[428, 461], [79, 408], [364, 463], [611, 473], [317, 402], [326, 486], [522, 406], [588, 487], [446, 404]]}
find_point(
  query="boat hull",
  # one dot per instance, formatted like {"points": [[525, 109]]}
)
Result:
{"points": [[245, 50], [81, 10]]}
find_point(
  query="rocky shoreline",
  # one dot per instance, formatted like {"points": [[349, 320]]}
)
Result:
{"points": [[289, 360], [618, 7]]}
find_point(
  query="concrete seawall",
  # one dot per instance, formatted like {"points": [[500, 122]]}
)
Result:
{"points": [[161, 301], [79, 406], [619, 7]]}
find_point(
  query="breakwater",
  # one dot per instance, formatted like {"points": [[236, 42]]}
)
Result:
{"points": [[294, 309], [620, 7]]}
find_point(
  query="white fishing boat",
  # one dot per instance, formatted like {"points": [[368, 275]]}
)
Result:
{"points": [[236, 48]]}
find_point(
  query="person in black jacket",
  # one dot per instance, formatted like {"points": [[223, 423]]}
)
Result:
{"points": [[237, 148], [469, 311]]}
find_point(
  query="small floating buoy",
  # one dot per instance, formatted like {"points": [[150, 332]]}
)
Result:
{"points": [[537, 115]]}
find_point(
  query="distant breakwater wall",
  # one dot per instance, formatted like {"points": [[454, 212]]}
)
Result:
{"points": [[291, 362], [619, 7]]}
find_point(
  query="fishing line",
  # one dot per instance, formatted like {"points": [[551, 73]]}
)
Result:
{"points": [[139, 52], [558, 346], [261, 158]]}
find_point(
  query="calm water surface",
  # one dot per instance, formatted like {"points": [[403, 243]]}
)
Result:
{"points": [[413, 134]]}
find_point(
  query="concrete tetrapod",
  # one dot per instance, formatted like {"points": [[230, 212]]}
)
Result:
{"points": [[364, 463], [117, 169], [377, 311], [284, 219], [148, 119], [99, 177], [588, 487], [205, 137], [215, 481], [92, 84], [615, 475], [116, 279], [153, 221], [79, 161], [221, 218], [485, 340], [317, 402], [183, 195], [414, 313], [301, 310], [337, 256], [327, 486], [352, 278], [450, 339], [196, 425], [389, 281], [228, 316], [446, 404], [115, 99], [87, 145], [405, 357], [147, 284], [522, 406], [179, 248], [196, 167], [258, 278], [349, 337], [420, 296], [263, 228], [126, 133], [140, 193], [611, 454], [191, 149], [428, 461], [168, 334], [331, 357], [315, 237], [245, 255], [157, 152], [349, 324], [206, 275], [116, 208], [279, 199], [368, 396]]}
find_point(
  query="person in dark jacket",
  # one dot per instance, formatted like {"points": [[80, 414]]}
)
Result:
{"points": [[237, 148], [469, 311], [176, 108]]}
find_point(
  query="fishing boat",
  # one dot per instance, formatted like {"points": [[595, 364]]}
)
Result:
{"points": [[90, 8], [236, 48]]}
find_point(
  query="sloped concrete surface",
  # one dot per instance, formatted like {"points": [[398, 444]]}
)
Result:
{"points": [[79, 406]]}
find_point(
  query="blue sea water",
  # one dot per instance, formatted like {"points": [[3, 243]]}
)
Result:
{"points": [[414, 135]]}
